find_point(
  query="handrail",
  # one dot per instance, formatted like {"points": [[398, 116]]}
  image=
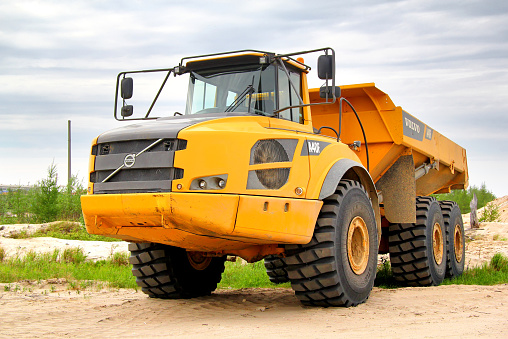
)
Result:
{"points": [[361, 126]]}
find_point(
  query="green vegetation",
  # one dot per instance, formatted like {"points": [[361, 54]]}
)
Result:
{"points": [[241, 275], [62, 230], [492, 273], [490, 213], [2, 254], [384, 276], [71, 264], [498, 237], [464, 197], [116, 271], [44, 202]]}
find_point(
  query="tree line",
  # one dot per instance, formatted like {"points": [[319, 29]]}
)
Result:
{"points": [[44, 202]]}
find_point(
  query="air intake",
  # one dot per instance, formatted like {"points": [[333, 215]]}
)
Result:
{"points": [[267, 151], [271, 151]]}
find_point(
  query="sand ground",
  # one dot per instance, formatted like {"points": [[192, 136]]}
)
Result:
{"points": [[50, 309]]}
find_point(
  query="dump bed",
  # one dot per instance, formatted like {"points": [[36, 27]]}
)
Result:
{"points": [[392, 133]]}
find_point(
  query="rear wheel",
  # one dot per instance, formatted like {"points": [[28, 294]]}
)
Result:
{"points": [[418, 251], [276, 269], [338, 266], [455, 242], [164, 271]]}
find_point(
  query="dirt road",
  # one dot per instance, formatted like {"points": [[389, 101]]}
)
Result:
{"points": [[444, 311], [52, 310]]}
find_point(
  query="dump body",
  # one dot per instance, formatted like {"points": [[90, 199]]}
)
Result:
{"points": [[392, 133]]}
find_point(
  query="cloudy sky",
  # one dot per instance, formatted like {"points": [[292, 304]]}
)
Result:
{"points": [[446, 62]]}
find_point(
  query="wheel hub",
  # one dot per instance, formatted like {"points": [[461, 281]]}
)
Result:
{"points": [[457, 243], [198, 261], [358, 245], [437, 243]]}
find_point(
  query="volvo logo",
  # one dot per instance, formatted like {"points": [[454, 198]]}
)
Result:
{"points": [[129, 160]]}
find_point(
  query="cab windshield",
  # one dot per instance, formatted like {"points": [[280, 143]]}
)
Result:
{"points": [[246, 89]]}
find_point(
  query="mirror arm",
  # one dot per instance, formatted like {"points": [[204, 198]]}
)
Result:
{"points": [[116, 96], [158, 93]]}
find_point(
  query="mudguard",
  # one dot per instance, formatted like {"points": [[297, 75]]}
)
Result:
{"points": [[337, 172]]}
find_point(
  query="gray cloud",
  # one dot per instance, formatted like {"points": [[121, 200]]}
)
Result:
{"points": [[445, 62]]}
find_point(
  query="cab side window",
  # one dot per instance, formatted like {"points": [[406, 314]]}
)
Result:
{"points": [[288, 96]]}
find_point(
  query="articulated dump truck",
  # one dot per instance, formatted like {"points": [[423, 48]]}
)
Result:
{"points": [[316, 182]]}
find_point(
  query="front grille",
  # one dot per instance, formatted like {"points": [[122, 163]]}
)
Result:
{"points": [[133, 146], [140, 174], [132, 166]]}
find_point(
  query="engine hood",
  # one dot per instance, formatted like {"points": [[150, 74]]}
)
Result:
{"points": [[160, 128]]}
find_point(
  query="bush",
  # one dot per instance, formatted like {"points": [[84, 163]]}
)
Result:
{"points": [[2, 254], [490, 213], [384, 275], [499, 262], [69, 201], [463, 197], [74, 255], [46, 196], [16, 206], [44, 202], [120, 259]]}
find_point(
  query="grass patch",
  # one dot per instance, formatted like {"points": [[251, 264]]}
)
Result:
{"points": [[73, 255], [240, 275], [499, 237], [70, 265], [384, 276], [120, 259], [116, 272], [2, 254], [491, 273], [62, 230]]}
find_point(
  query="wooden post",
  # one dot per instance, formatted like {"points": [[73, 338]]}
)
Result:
{"points": [[474, 218], [69, 173]]}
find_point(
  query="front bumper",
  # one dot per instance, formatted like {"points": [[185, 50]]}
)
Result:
{"points": [[201, 221]]}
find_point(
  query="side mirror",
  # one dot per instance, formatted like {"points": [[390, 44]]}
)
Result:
{"points": [[327, 92], [325, 67], [126, 89], [127, 111]]}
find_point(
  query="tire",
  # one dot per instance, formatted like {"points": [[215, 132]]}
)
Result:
{"points": [[168, 272], [338, 266], [276, 269], [455, 242], [418, 251]]}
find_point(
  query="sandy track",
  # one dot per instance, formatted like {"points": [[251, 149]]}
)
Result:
{"points": [[48, 311], [444, 311]]}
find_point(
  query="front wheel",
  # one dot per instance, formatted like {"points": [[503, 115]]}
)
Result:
{"points": [[338, 266], [168, 272]]}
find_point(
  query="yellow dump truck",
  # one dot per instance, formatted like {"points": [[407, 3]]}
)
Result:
{"points": [[316, 182]]}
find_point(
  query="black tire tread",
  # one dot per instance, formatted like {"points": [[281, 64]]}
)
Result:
{"points": [[153, 268], [312, 268], [408, 248], [276, 269], [447, 207]]}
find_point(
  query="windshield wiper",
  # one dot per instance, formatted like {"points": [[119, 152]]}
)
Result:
{"points": [[240, 99]]}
